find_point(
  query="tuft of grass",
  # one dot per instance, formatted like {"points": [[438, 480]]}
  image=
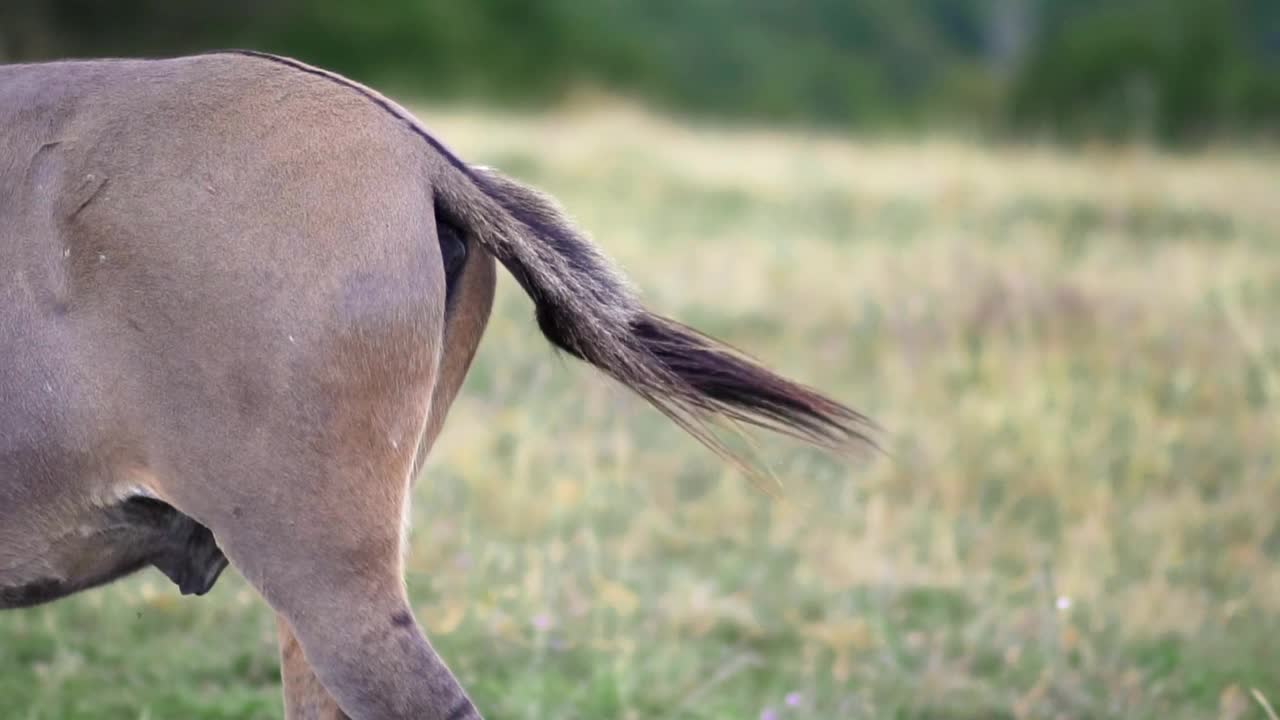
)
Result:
{"points": [[1077, 358]]}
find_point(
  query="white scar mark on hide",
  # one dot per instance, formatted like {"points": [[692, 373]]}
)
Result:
{"points": [[117, 493], [124, 493], [129, 483]]}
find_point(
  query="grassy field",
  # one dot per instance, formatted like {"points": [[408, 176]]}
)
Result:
{"points": [[1076, 359]]}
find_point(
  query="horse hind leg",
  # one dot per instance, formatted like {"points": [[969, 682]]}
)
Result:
{"points": [[305, 697], [471, 293], [323, 547], [314, 522]]}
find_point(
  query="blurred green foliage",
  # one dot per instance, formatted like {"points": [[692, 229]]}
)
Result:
{"points": [[1172, 70]]}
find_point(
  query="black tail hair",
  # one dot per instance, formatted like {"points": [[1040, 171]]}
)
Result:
{"points": [[585, 307]]}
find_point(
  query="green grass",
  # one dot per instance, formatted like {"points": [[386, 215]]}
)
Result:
{"points": [[1077, 361]]}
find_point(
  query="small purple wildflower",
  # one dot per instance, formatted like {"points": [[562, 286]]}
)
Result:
{"points": [[794, 699], [768, 714], [542, 621]]}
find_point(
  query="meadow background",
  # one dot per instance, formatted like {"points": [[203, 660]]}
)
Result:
{"points": [[1072, 343]]}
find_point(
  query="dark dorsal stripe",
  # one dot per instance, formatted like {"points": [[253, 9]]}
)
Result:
{"points": [[410, 122], [550, 231]]}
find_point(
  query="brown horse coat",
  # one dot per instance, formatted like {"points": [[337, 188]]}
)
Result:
{"points": [[237, 296]]}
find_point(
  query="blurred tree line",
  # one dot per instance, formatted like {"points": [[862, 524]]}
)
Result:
{"points": [[1179, 71]]}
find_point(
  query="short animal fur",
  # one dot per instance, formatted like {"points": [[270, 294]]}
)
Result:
{"points": [[237, 297]]}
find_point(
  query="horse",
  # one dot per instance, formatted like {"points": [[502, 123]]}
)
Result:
{"points": [[238, 294]]}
